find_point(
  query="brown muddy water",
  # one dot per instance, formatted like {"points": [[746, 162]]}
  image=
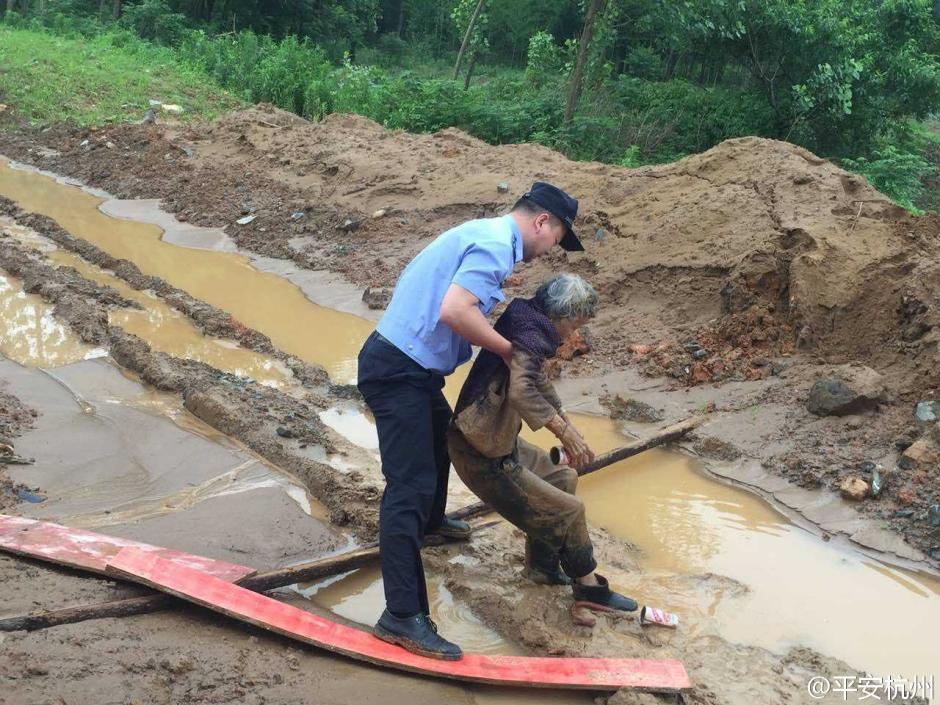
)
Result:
{"points": [[31, 335], [800, 589]]}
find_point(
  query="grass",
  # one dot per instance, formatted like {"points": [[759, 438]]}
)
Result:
{"points": [[47, 79]]}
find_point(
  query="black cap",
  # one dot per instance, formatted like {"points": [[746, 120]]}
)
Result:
{"points": [[560, 205]]}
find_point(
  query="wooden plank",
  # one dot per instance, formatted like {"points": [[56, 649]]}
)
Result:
{"points": [[237, 602], [306, 572], [87, 550]]}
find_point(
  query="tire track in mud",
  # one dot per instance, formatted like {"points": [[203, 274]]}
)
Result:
{"points": [[483, 576]]}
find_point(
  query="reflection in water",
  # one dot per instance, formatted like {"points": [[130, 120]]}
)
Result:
{"points": [[169, 331], [801, 589], [265, 302], [358, 596], [29, 333]]}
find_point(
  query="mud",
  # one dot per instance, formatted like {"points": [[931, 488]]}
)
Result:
{"points": [[697, 595], [15, 417], [753, 261], [661, 280]]}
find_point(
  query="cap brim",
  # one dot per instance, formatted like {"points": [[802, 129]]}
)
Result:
{"points": [[571, 243]]}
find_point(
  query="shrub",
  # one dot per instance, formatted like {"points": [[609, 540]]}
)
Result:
{"points": [[897, 174]]}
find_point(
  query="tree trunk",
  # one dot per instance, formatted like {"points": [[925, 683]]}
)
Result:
{"points": [[401, 18], [466, 37], [116, 9], [577, 76], [9, 7], [473, 62]]}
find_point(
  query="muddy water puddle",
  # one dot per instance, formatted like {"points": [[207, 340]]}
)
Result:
{"points": [[31, 335], [358, 596], [798, 588], [263, 301]]}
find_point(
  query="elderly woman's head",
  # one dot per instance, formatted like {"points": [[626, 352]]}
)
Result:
{"points": [[568, 300]]}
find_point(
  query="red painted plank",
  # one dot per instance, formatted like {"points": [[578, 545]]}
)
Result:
{"points": [[220, 596], [86, 550]]}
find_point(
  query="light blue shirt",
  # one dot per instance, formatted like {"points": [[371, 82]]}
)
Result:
{"points": [[478, 255]]}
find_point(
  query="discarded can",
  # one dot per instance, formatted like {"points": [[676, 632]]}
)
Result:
{"points": [[654, 615], [559, 456]]}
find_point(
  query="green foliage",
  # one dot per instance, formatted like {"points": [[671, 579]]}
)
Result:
{"points": [[544, 59], [155, 20], [461, 15], [48, 79], [844, 78], [899, 175]]}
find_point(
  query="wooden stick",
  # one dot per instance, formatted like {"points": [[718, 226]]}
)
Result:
{"points": [[316, 570], [664, 435]]}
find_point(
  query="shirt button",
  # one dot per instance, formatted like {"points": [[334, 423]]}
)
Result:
{"points": [[411, 347]]}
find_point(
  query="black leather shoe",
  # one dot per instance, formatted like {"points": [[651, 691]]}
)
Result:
{"points": [[602, 596], [417, 634], [453, 529]]}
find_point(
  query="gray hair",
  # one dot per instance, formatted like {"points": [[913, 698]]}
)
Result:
{"points": [[567, 296]]}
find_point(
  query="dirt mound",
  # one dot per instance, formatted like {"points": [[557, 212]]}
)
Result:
{"points": [[682, 253]]}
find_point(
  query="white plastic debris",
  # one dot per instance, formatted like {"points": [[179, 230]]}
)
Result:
{"points": [[247, 219]]}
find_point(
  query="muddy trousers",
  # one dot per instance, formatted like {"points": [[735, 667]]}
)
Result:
{"points": [[535, 495], [411, 417]]}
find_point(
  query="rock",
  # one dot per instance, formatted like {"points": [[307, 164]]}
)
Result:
{"points": [[247, 219], [27, 496], [284, 432], [927, 411], [631, 410], [906, 496], [715, 448], [377, 297], [502, 187], [379, 213], [298, 215], [599, 235], [699, 374], [639, 349], [877, 481], [921, 455], [350, 224], [933, 514], [904, 514], [171, 108], [854, 488], [850, 390], [574, 345], [150, 117]]}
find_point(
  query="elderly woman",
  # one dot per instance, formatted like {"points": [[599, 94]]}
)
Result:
{"points": [[514, 477]]}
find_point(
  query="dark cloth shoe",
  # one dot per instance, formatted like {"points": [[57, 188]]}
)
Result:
{"points": [[453, 529], [602, 596], [417, 634], [542, 565], [541, 577]]}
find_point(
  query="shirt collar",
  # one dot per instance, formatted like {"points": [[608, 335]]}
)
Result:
{"points": [[516, 239]]}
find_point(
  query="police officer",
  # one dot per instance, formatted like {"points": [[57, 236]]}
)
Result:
{"points": [[437, 311]]}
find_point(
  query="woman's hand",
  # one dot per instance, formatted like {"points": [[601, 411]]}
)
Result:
{"points": [[572, 440]]}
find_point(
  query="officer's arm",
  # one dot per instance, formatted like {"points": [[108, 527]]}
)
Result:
{"points": [[459, 311]]}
